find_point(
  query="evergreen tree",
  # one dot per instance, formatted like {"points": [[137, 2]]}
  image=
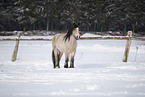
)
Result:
{"points": [[25, 12], [135, 13], [70, 12], [6, 15], [93, 15], [117, 13]]}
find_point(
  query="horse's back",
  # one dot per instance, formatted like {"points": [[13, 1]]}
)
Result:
{"points": [[56, 39]]}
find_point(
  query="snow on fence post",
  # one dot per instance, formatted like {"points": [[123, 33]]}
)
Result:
{"points": [[127, 47], [14, 56]]}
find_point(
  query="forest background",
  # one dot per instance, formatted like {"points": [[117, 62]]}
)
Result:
{"points": [[58, 15]]}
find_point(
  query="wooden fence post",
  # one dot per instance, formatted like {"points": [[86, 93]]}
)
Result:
{"points": [[127, 47], [14, 56]]}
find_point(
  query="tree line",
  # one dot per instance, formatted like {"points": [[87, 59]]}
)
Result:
{"points": [[58, 15]]}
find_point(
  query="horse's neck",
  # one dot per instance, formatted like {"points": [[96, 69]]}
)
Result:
{"points": [[72, 37]]}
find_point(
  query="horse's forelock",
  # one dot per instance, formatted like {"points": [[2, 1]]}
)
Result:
{"points": [[75, 26]]}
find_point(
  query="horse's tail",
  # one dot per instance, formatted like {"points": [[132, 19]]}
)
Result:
{"points": [[53, 58]]}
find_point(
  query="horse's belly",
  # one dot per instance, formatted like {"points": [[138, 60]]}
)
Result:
{"points": [[66, 48]]}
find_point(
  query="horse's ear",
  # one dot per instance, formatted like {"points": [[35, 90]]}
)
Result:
{"points": [[78, 24], [74, 24]]}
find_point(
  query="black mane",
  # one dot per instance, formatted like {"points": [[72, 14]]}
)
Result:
{"points": [[70, 32]]}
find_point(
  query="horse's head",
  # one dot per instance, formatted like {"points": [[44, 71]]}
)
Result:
{"points": [[76, 31]]}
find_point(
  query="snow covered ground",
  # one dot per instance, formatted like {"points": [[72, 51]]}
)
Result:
{"points": [[84, 36], [26, 37], [99, 70]]}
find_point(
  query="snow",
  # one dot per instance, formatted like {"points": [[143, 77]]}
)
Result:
{"points": [[8, 37], [36, 37], [99, 70], [86, 35], [141, 37], [90, 35], [26, 37]]}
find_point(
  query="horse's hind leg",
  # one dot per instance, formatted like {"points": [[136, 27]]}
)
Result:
{"points": [[72, 60], [56, 56], [59, 55], [53, 58], [66, 60]]}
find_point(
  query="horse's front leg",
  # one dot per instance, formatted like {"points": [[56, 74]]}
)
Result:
{"points": [[60, 55], [72, 59], [66, 60]]}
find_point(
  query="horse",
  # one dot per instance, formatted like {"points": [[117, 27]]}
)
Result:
{"points": [[65, 43]]}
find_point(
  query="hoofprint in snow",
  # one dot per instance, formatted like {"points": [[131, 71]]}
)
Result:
{"points": [[99, 70]]}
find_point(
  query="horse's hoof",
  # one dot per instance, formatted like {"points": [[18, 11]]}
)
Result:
{"points": [[71, 67], [65, 66], [57, 67]]}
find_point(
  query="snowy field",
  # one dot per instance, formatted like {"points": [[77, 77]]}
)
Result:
{"points": [[26, 37], [99, 70]]}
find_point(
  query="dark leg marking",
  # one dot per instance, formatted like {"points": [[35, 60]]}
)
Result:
{"points": [[72, 60], [72, 63], [66, 63], [53, 58], [66, 60], [58, 54], [56, 58]]}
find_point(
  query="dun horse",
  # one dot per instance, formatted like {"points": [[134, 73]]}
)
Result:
{"points": [[65, 44]]}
